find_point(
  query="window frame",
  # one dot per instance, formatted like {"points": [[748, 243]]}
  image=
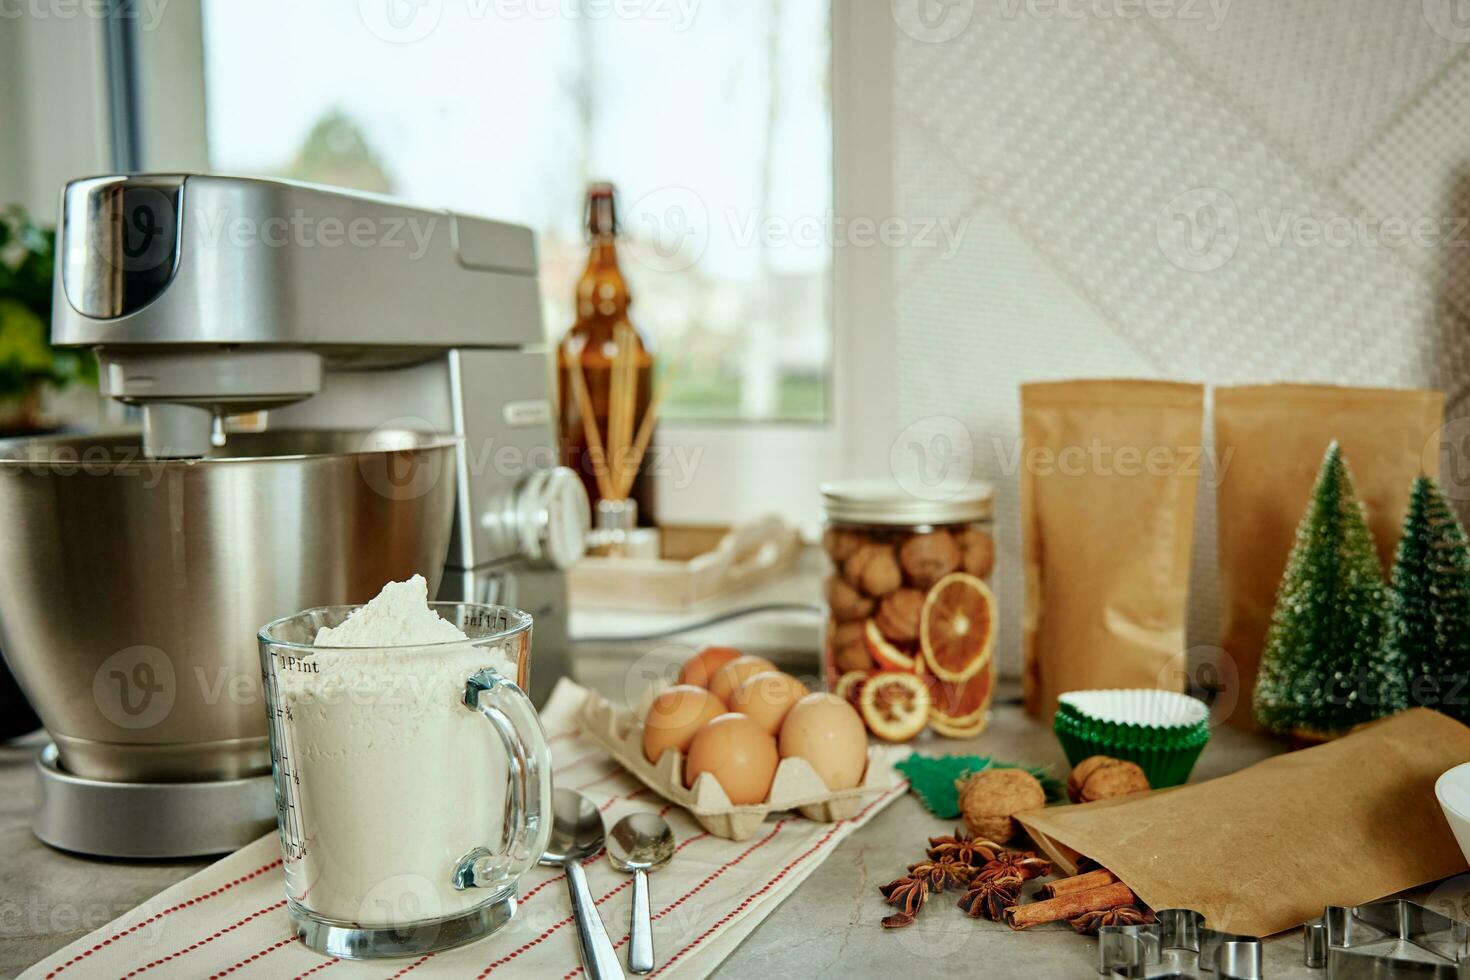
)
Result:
{"points": [[744, 469]]}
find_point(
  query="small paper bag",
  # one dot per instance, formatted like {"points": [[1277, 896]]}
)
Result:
{"points": [[1264, 849]]}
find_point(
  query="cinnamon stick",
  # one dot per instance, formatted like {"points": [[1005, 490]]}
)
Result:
{"points": [[1078, 883], [1070, 906]]}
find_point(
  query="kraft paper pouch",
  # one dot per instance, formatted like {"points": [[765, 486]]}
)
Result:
{"points": [[1273, 437], [1109, 471], [1264, 849]]}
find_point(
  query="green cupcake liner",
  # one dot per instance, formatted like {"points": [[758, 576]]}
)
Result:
{"points": [[1166, 753]]}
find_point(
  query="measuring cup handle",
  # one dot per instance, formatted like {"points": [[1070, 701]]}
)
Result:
{"points": [[526, 826]]}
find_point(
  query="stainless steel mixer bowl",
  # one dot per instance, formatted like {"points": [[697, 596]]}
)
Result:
{"points": [[131, 589]]}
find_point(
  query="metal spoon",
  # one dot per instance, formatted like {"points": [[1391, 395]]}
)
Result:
{"points": [[576, 833], [640, 843]]}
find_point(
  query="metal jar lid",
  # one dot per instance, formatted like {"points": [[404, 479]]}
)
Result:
{"points": [[879, 501]]}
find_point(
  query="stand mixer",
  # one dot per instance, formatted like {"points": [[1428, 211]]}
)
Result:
{"points": [[393, 352]]}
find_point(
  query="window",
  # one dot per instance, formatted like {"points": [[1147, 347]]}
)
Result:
{"points": [[714, 120]]}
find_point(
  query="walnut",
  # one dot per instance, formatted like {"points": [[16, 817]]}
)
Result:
{"points": [[899, 614], [927, 558], [1099, 777], [840, 544], [991, 798], [874, 569], [846, 602], [853, 656], [977, 551]]}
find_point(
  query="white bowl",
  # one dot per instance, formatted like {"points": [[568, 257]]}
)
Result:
{"points": [[1452, 789]]}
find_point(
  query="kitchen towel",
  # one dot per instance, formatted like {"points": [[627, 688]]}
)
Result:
{"points": [[230, 919]]}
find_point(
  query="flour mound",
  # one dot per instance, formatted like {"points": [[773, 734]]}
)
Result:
{"points": [[398, 616]]}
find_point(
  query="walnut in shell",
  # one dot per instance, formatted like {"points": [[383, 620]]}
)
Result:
{"points": [[927, 558], [846, 602], [899, 614], [840, 544], [1100, 777], [977, 552], [990, 799], [849, 652], [874, 569]]}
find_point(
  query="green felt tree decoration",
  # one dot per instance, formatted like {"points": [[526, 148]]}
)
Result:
{"points": [[1429, 627], [1326, 666]]}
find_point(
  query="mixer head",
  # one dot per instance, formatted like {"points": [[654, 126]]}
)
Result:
{"points": [[206, 296]]}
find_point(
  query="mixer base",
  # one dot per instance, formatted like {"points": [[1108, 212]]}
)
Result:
{"points": [[148, 820]]}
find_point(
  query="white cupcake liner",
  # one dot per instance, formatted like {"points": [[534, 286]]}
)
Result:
{"points": [[1138, 706]]}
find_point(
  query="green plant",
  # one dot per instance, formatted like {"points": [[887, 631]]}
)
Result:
{"points": [[1326, 667], [27, 359]]}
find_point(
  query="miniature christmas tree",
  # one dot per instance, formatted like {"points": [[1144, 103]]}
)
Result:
{"points": [[1325, 667], [1429, 628]]}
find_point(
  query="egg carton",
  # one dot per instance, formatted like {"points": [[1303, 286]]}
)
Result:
{"points": [[796, 786]]}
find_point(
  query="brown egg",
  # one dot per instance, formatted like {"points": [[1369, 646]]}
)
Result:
{"points": [[741, 756], [699, 668], [723, 682], [675, 716], [765, 698], [827, 732]]}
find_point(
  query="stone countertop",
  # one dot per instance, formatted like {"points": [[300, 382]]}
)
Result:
{"points": [[827, 928]]}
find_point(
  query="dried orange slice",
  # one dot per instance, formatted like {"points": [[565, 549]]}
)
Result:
{"points": [[850, 685], [888, 656], [958, 627], [961, 710], [894, 705]]}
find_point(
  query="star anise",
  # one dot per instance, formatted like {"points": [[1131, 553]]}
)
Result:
{"points": [[906, 894], [942, 873], [990, 899], [1021, 865], [897, 921], [1125, 915], [962, 847]]}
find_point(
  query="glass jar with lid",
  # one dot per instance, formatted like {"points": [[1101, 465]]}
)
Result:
{"points": [[911, 619]]}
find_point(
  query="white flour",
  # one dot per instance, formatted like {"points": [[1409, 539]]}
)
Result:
{"points": [[397, 778]]}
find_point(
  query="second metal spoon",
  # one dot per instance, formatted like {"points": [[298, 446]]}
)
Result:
{"points": [[640, 843]]}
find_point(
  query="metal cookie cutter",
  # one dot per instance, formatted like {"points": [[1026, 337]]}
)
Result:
{"points": [[1393, 940], [1165, 949]]}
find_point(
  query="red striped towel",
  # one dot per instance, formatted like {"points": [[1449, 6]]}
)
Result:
{"points": [[230, 919]]}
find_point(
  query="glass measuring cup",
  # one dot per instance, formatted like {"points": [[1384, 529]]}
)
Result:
{"points": [[405, 821]]}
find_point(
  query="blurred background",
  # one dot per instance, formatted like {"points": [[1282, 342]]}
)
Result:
{"points": [[855, 225]]}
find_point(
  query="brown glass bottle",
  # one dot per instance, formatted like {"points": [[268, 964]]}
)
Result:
{"points": [[602, 309]]}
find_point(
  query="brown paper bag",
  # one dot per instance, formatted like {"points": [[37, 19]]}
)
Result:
{"points": [[1272, 437], [1264, 849], [1108, 477]]}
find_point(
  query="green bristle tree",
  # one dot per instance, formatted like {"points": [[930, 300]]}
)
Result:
{"points": [[1429, 627], [1326, 666]]}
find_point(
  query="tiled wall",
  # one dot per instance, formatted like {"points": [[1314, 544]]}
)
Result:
{"points": [[1166, 188]]}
